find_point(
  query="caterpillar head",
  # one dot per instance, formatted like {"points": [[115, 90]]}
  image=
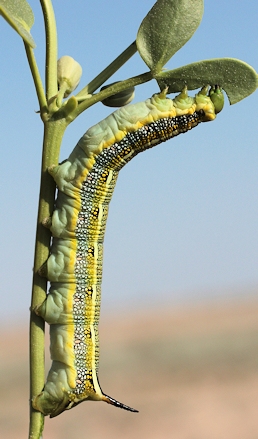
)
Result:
{"points": [[217, 98], [210, 104]]}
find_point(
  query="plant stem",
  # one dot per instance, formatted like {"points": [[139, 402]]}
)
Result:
{"points": [[123, 85], [53, 135], [36, 77], [51, 48], [108, 71]]}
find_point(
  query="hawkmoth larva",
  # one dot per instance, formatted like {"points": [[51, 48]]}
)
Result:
{"points": [[86, 182]]}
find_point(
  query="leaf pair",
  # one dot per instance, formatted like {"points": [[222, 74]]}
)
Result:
{"points": [[165, 29]]}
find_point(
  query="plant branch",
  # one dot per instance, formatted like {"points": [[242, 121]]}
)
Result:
{"points": [[51, 48], [118, 87], [36, 77], [108, 71]]}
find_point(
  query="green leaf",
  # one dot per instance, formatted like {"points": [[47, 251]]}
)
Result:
{"points": [[166, 28], [19, 15], [237, 78]]}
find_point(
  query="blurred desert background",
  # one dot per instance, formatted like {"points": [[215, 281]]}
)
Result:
{"points": [[191, 371]]}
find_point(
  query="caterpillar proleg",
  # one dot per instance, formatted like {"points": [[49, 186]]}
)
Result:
{"points": [[86, 181]]}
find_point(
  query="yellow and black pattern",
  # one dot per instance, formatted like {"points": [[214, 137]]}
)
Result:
{"points": [[86, 183]]}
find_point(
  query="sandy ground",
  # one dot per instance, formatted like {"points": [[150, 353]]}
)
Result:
{"points": [[191, 373]]}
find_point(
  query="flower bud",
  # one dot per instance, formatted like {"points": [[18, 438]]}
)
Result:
{"points": [[119, 99], [69, 73]]}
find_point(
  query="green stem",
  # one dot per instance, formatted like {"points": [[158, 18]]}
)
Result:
{"points": [[53, 134], [36, 77], [108, 71], [123, 85], [51, 48]]}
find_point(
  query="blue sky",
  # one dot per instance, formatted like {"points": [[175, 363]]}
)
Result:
{"points": [[183, 220]]}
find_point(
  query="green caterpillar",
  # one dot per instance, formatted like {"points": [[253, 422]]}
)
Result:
{"points": [[86, 182]]}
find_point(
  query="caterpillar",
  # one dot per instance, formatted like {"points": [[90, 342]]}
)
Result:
{"points": [[85, 182]]}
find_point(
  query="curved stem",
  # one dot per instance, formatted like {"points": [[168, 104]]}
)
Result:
{"points": [[36, 77], [53, 135], [123, 85], [51, 48], [108, 71]]}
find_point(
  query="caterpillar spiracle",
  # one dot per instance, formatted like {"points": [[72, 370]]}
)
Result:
{"points": [[86, 181]]}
